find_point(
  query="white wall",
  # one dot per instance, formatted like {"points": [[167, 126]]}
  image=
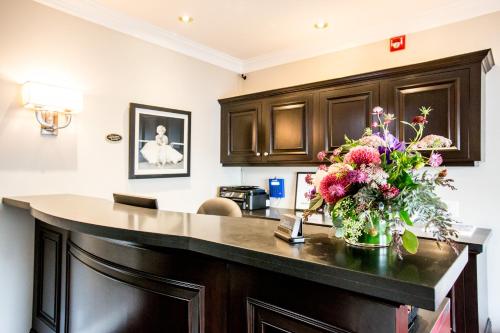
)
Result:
{"points": [[112, 70], [478, 195]]}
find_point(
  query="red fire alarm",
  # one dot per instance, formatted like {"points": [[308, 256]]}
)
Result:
{"points": [[397, 43]]}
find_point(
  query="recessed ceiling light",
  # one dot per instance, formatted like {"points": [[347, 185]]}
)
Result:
{"points": [[321, 24], [185, 19]]}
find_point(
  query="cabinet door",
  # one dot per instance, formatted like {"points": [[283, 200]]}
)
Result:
{"points": [[287, 128], [49, 279], [240, 140], [346, 111], [447, 94]]}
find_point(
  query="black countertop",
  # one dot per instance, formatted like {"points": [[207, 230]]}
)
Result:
{"points": [[422, 279], [475, 240]]}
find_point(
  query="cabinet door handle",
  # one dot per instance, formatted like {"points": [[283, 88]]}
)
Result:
{"points": [[257, 154], [266, 153]]}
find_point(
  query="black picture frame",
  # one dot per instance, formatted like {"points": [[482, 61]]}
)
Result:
{"points": [[297, 183], [168, 118]]}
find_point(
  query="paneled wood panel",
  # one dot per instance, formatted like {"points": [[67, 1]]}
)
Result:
{"points": [[170, 264], [266, 318], [346, 111], [287, 122], [104, 297], [240, 125], [47, 283]]}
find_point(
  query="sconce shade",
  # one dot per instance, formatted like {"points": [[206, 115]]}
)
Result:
{"points": [[43, 97]]}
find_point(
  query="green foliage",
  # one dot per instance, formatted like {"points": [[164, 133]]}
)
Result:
{"points": [[403, 214], [316, 202], [410, 242]]}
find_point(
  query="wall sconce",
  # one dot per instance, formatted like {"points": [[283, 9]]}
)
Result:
{"points": [[53, 106]]}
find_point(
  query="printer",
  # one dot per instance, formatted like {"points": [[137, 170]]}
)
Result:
{"points": [[247, 197]]}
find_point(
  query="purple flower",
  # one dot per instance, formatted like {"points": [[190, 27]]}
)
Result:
{"points": [[435, 160], [392, 144], [310, 194], [321, 155]]}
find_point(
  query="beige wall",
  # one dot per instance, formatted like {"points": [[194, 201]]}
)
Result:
{"points": [[478, 198], [112, 69], [466, 36]]}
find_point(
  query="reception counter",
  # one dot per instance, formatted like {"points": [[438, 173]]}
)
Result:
{"points": [[105, 267]]}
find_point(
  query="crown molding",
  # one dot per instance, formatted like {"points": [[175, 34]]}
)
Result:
{"points": [[99, 14], [94, 12]]}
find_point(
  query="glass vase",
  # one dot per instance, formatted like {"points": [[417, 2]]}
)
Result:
{"points": [[376, 235]]}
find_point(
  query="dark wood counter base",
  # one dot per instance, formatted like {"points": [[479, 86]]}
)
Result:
{"points": [[89, 284]]}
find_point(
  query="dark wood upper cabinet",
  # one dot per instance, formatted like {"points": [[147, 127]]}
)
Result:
{"points": [[240, 124], [346, 111], [289, 126], [447, 93]]}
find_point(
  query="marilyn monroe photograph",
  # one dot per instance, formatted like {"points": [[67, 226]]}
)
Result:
{"points": [[159, 142]]}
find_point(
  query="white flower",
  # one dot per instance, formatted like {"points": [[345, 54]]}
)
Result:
{"points": [[373, 141], [434, 141], [376, 175], [318, 177], [339, 168]]}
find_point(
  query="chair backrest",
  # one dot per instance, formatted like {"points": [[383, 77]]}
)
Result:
{"points": [[220, 207], [135, 200]]}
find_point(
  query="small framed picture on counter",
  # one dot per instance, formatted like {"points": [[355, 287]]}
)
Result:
{"points": [[301, 199], [160, 142]]}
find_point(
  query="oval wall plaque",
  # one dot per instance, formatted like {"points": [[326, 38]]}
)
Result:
{"points": [[113, 137]]}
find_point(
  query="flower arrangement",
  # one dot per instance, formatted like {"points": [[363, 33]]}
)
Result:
{"points": [[374, 188]]}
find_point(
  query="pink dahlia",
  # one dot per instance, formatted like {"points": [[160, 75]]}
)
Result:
{"points": [[332, 188], [362, 155]]}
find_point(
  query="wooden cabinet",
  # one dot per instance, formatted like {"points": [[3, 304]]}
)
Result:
{"points": [[240, 125], [289, 126], [447, 93], [268, 131], [346, 111]]}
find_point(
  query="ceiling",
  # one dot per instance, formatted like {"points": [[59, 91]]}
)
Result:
{"points": [[247, 35]]}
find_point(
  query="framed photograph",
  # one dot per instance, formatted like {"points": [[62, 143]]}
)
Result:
{"points": [[159, 142], [301, 202]]}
